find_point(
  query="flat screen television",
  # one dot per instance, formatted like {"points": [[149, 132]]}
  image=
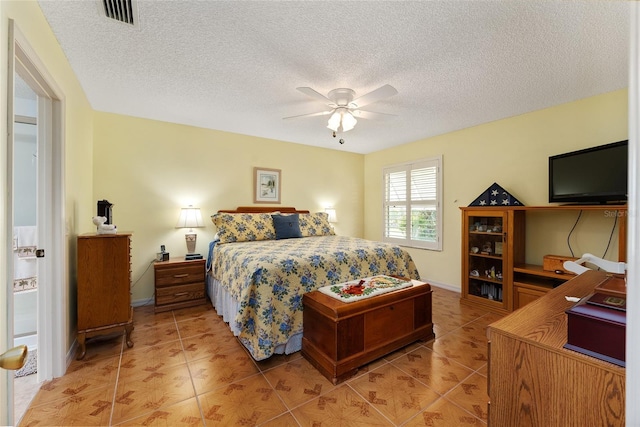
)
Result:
{"points": [[593, 175]]}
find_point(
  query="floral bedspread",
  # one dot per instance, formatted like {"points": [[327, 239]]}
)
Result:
{"points": [[269, 277]]}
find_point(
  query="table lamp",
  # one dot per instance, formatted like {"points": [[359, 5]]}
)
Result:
{"points": [[190, 218], [331, 213]]}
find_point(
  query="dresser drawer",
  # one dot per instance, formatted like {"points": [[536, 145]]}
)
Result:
{"points": [[174, 294], [179, 274]]}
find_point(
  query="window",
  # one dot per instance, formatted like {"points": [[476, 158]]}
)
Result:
{"points": [[412, 208]]}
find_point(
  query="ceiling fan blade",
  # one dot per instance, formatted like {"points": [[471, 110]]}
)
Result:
{"points": [[371, 114], [373, 96], [317, 96], [319, 113]]}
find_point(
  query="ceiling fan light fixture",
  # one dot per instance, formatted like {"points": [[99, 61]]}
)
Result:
{"points": [[344, 108], [341, 120], [334, 121], [348, 121]]}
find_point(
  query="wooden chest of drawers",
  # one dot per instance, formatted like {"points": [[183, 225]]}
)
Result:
{"points": [[179, 284], [340, 337], [104, 282]]}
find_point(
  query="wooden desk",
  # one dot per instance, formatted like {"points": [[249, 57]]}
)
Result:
{"points": [[534, 381]]}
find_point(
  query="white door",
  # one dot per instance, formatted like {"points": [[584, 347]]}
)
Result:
{"points": [[52, 295]]}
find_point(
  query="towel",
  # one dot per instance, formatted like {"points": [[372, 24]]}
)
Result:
{"points": [[25, 241], [25, 267]]}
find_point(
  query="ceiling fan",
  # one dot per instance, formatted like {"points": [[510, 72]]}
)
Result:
{"points": [[344, 108]]}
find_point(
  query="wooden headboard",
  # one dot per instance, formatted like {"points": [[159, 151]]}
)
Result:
{"points": [[262, 209]]}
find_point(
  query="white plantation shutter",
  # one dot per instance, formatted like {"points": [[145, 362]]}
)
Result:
{"points": [[395, 209], [412, 212]]}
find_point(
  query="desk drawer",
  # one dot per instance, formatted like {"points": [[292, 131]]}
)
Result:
{"points": [[179, 275]]}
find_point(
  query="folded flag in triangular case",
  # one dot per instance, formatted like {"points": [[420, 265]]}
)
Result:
{"points": [[496, 196]]}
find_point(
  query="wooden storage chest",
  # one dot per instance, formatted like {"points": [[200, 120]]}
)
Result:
{"points": [[340, 337]]}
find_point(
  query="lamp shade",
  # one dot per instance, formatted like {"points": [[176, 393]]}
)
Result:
{"points": [[348, 121], [190, 218], [334, 121], [332, 214]]}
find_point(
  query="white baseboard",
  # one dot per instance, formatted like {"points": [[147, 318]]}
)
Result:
{"points": [[141, 302], [31, 341], [442, 285], [71, 354]]}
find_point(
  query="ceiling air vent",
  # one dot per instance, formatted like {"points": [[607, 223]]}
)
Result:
{"points": [[125, 11]]}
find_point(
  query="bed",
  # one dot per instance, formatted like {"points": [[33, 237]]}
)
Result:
{"points": [[256, 277]]}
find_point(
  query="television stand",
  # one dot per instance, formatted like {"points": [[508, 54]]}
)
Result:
{"points": [[495, 273], [609, 204]]}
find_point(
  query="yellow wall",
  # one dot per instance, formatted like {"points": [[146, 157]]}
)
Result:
{"points": [[78, 133], [150, 169], [514, 153]]}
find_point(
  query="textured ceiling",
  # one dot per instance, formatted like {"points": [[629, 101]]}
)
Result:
{"points": [[235, 66]]}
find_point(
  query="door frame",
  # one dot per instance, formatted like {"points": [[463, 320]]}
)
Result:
{"points": [[53, 298], [632, 411]]}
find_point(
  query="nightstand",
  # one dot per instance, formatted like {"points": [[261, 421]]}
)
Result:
{"points": [[179, 283]]}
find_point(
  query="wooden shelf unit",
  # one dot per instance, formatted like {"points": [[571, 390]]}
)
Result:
{"points": [[530, 282], [488, 250], [521, 282], [537, 270]]}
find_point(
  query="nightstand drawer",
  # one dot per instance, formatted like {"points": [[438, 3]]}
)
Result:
{"points": [[179, 274], [179, 283], [174, 294]]}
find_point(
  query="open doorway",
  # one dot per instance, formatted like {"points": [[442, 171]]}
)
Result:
{"points": [[35, 184], [25, 241]]}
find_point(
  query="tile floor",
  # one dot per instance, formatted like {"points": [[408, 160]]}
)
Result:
{"points": [[187, 369], [24, 389]]}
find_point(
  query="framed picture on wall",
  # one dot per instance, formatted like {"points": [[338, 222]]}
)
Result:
{"points": [[266, 185]]}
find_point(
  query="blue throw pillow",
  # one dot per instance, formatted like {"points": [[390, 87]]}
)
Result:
{"points": [[287, 226]]}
